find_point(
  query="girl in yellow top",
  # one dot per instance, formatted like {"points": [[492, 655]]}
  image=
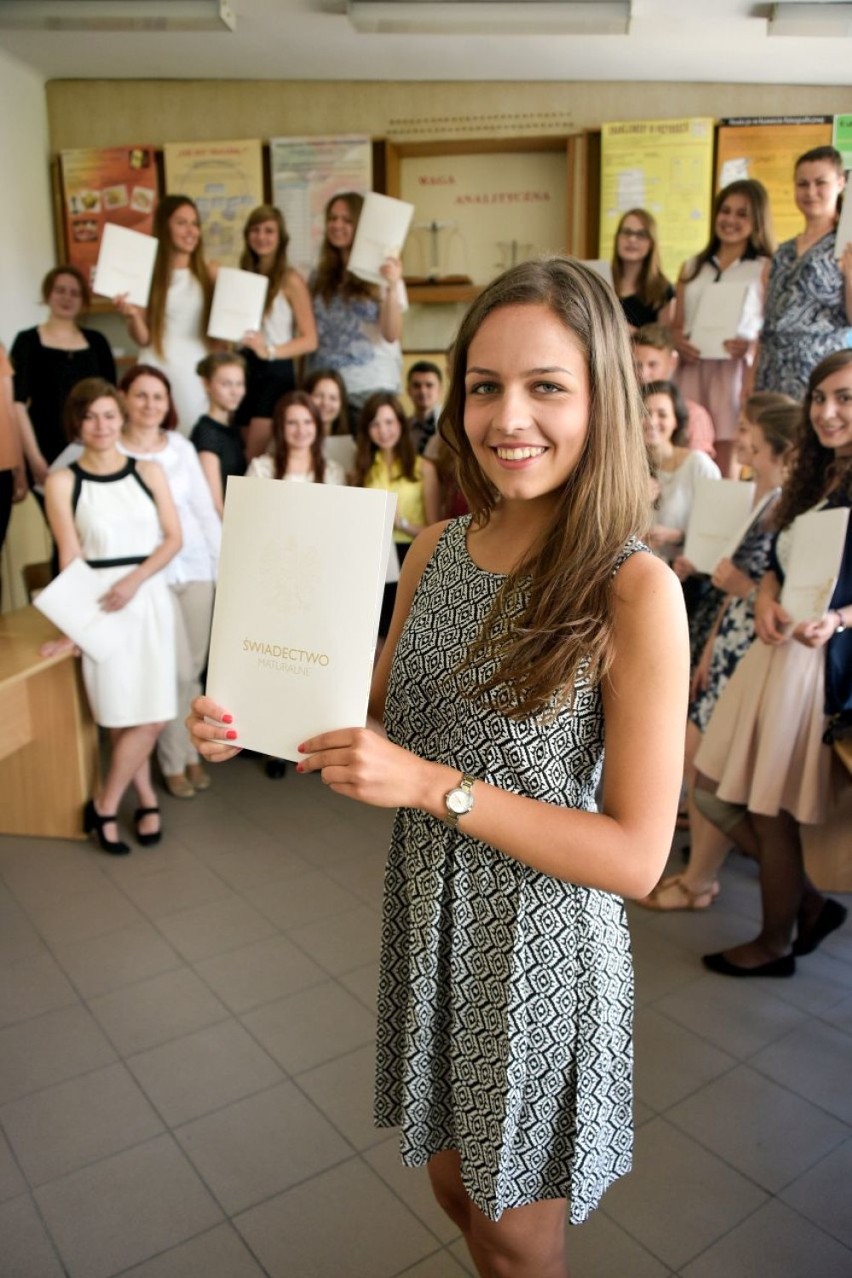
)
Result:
{"points": [[386, 458]]}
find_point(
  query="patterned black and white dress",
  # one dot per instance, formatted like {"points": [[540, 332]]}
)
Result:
{"points": [[505, 999]]}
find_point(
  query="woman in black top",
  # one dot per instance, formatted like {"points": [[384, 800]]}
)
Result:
{"points": [[217, 441], [51, 358], [646, 296]]}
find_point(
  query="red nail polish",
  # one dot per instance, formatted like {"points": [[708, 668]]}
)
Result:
{"points": [[301, 748], [299, 767], [231, 734], [227, 718]]}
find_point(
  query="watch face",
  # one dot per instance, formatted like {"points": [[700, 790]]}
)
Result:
{"points": [[459, 802]]}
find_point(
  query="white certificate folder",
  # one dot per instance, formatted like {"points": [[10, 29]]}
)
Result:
{"points": [[238, 301], [813, 566], [301, 576], [125, 264], [720, 509]]}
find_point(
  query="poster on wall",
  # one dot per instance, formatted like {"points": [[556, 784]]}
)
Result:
{"points": [[225, 179], [842, 138], [306, 173], [476, 215], [666, 167], [112, 184], [766, 149]]}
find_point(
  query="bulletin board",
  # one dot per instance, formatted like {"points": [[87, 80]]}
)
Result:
{"points": [[666, 167], [108, 184], [766, 149], [306, 173], [225, 179]]}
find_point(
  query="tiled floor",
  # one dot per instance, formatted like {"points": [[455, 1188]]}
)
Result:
{"points": [[186, 1067]]}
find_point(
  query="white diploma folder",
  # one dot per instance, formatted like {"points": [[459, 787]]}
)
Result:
{"points": [[720, 509], [718, 317], [381, 232], [301, 577], [71, 602], [125, 264], [239, 298], [816, 554]]}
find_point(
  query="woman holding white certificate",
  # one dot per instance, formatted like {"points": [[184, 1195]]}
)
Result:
{"points": [[764, 765], [809, 283], [287, 332], [119, 516], [172, 329], [359, 326], [737, 254], [521, 633]]}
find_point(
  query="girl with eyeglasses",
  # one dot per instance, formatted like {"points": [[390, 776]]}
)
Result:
{"points": [[646, 296]]}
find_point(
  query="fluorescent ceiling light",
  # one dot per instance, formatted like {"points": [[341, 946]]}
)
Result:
{"points": [[117, 15], [822, 19], [490, 17]]}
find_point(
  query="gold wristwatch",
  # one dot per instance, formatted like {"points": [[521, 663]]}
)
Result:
{"points": [[459, 800]]}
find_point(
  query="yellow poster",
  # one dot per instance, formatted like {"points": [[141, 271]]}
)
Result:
{"points": [[666, 167], [225, 179], [767, 149]]}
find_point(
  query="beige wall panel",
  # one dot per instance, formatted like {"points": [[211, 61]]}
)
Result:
{"points": [[108, 112]]}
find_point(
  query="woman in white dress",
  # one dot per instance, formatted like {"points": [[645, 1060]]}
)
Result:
{"points": [[287, 331], [119, 516], [192, 574], [172, 329]]}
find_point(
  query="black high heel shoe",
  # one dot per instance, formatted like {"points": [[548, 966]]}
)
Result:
{"points": [[147, 840], [94, 822]]}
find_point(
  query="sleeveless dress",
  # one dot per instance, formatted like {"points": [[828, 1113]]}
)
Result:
{"points": [[117, 525], [505, 997], [805, 316], [183, 347]]}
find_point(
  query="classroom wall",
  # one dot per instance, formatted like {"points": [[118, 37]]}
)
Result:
{"points": [[112, 112]]}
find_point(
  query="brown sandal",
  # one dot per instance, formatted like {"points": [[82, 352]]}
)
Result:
{"points": [[685, 898]]}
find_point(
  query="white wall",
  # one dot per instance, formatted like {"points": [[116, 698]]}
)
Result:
{"points": [[26, 224]]}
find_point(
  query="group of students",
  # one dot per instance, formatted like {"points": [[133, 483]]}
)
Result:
{"points": [[522, 634]]}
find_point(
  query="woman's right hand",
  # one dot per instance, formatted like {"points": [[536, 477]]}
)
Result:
{"points": [[771, 622], [125, 307], [211, 730], [688, 353], [726, 576]]}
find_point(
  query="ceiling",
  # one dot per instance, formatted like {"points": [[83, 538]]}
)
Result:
{"points": [[669, 40]]}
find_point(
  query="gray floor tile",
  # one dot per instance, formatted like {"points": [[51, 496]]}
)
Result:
{"points": [[94, 913], [203, 1071], [313, 1026], [43, 878], [263, 861], [257, 1147], [364, 984], [732, 1014], [169, 891], [49, 1049], [126, 1208], [776, 1241], [352, 942], [660, 965], [601, 1249], [840, 1015], [65, 1127], [820, 983], [343, 1090], [765, 1131], [302, 899], [822, 1194], [110, 962], [157, 1010], [290, 1234], [220, 1253], [12, 1182], [679, 1199], [671, 1062], [27, 1249], [260, 973], [815, 1062], [462, 1255], [439, 1265], [30, 986], [18, 937], [411, 1184], [214, 928]]}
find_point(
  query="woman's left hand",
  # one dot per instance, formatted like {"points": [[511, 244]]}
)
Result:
{"points": [[816, 634], [119, 594], [363, 765], [737, 347], [391, 270]]}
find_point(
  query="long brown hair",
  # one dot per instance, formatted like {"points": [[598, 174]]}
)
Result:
{"points": [[249, 261], [552, 617], [161, 279], [331, 274], [365, 450], [280, 448], [652, 285], [761, 241], [340, 425], [815, 468]]}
